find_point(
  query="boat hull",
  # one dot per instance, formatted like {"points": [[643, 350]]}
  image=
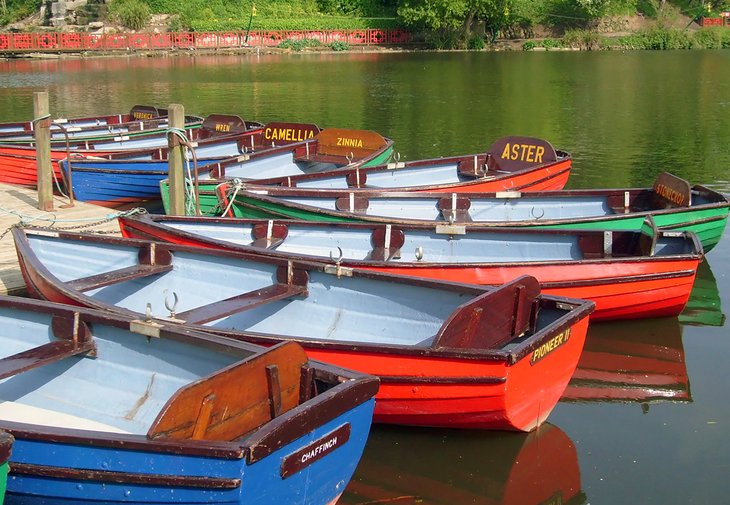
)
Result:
{"points": [[423, 386], [76, 469]]}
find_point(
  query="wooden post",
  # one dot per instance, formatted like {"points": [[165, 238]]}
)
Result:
{"points": [[42, 129], [176, 118]]}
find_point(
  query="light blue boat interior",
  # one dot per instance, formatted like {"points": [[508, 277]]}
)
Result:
{"points": [[481, 210], [272, 163], [325, 243], [346, 309], [124, 386], [422, 175]]}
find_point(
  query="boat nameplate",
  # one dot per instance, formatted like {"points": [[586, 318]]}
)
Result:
{"points": [[146, 328], [508, 194], [451, 229], [338, 270]]}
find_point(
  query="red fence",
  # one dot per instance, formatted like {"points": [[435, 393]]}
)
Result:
{"points": [[722, 21], [57, 42]]}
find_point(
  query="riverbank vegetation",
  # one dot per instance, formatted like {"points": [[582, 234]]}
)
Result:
{"points": [[440, 24]]}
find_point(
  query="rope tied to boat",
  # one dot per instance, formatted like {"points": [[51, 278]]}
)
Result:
{"points": [[192, 205], [237, 185]]}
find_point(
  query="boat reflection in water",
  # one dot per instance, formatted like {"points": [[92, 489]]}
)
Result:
{"points": [[704, 307], [405, 466], [642, 361]]}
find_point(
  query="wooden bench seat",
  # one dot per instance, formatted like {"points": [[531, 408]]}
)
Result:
{"points": [[42, 355], [115, 276], [239, 303]]}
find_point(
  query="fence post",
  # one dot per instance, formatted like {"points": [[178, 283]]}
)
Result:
{"points": [[176, 182], [42, 133]]}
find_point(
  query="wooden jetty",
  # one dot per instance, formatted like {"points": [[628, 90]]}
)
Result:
{"points": [[20, 205]]}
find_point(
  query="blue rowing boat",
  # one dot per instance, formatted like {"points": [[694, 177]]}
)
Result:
{"points": [[112, 409]]}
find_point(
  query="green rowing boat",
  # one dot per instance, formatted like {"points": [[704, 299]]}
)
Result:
{"points": [[673, 203]]}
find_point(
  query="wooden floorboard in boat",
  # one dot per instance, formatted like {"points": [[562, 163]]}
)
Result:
{"points": [[17, 201]]}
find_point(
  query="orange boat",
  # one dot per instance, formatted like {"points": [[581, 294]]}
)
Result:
{"points": [[447, 354], [628, 274]]}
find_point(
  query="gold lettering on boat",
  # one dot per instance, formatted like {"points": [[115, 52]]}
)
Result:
{"points": [[347, 142], [288, 134], [219, 127], [549, 346], [523, 152], [670, 194], [142, 115]]}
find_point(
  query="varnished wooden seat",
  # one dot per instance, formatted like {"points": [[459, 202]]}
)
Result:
{"points": [[119, 275], [74, 338], [239, 303]]}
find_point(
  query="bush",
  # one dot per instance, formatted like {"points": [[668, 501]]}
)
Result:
{"points": [[299, 44], [339, 45], [529, 45], [476, 43], [549, 44], [712, 38], [582, 39], [133, 14]]}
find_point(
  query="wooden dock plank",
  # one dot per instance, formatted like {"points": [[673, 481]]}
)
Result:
{"points": [[18, 204]]}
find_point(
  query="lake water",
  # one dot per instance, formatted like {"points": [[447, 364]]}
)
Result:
{"points": [[646, 420]]}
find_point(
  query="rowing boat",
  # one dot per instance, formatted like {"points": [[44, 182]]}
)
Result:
{"points": [[113, 409], [18, 162], [447, 354], [628, 274], [118, 178], [672, 203], [510, 163], [121, 178], [139, 118], [330, 150]]}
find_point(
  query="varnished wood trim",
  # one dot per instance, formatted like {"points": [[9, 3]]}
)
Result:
{"points": [[172, 481]]}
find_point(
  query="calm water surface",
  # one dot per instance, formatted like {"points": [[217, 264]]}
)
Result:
{"points": [[646, 419]]}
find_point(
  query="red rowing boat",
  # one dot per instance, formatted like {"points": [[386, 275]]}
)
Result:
{"points": [[627, 274], [447, 354]]}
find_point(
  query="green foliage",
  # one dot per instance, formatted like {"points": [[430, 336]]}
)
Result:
{"points": [[133, 14], [476, 43], [582, 39], [712, 38], [299, 44], [549, 44], [294, 24], [339, 45], [444, 39], [18, 9], [529, 45]]}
